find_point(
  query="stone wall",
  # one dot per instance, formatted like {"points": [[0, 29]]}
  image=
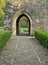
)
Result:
{"points": [[37, 8]]}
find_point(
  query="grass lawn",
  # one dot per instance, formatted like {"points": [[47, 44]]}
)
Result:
{"points": [[23, 29]]}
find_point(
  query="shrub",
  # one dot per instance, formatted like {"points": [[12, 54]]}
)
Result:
{"points": [[42, 37], [1, 23], [4, 37], [1, 29]]}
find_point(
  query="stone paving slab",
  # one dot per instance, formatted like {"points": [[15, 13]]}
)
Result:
{"points": [[23, 50]]}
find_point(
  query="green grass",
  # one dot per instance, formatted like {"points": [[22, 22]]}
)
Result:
{"points": [[24, 29], [4, 37], [42, 37]]}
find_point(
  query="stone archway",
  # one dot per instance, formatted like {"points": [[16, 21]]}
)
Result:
{"points": [[18, 25], [15, 18]]}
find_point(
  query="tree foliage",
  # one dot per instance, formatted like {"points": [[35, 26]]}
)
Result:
{"points": [[2, 7]]}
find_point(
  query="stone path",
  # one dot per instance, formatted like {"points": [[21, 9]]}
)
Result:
{"points": [[23, 50]]}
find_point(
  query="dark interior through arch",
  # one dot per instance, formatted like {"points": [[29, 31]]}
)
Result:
{"points": [[17, 25]]}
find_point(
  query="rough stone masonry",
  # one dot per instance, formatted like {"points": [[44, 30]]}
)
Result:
{"points": [[35, 10]]}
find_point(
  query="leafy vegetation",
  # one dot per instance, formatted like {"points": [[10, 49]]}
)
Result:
{"points": [[2, 7], [42, 37], [24, 29], [1, 29], [23, 25], [1, 23], [4, 37]]}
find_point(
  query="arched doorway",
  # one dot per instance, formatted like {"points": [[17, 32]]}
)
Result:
{"points": [[15, 21], [26, 29]]}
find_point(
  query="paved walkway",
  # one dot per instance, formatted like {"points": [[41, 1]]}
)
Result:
{"points": [[23, 50]]}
